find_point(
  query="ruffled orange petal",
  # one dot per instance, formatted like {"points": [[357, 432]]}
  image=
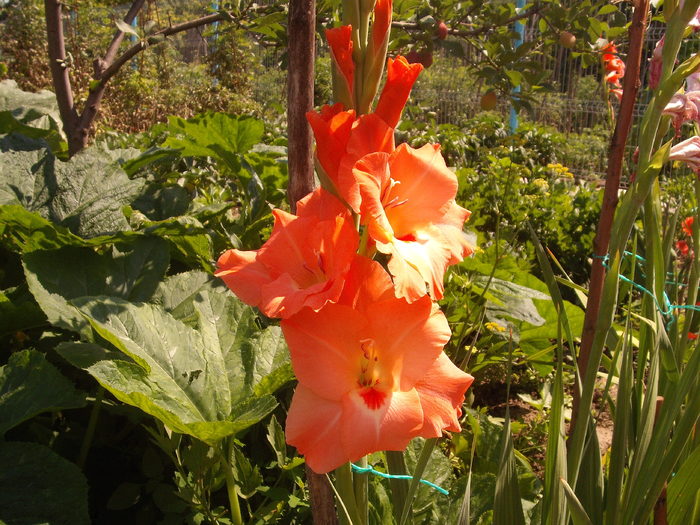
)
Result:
{"points": [[366, 283], [370, 134], [411, 337], [243, 274], [313, 427], [389, 427], [441, 392], [400, 78], [325, 349], [423, 190]]}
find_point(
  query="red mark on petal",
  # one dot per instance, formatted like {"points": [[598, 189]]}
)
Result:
{"points": [[373, 398]]}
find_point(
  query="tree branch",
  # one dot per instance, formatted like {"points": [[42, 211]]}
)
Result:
{"points": [[107, 69], [119, 36], [59, 65], [414, 26]]}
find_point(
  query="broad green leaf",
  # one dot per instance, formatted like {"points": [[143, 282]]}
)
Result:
{"points": [[38, 110], [39, 486], [25, 231], [437, 470], [19, 311], [215, 135], [85, 194], [57, 276], [211, 381], [510, 300], [30, 385]]}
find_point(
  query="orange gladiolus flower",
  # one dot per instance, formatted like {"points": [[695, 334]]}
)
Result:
{"points": [[407, 203], [688, 226], [682, 248], [400, 77], [302, 264], [372, 374], [340, 42], [341, 140]]}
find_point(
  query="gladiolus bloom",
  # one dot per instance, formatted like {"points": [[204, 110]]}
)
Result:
{"points": [[340, 42], [400, 77], [688, 151], [682, 248], [683, 107], [688, 226], [409, 209], [371, 372], [341, 140], [302, 264]]}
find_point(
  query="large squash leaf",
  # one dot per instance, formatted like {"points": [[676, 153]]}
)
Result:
{"points": [[38, 486], [29, 385], [210, 378]]}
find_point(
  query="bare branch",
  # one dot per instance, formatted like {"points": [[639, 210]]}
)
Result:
{"points": [[414, 26], [59, 65], [119, 36]]}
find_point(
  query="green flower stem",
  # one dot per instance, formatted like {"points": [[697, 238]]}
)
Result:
{"points": [[399, 487], [346, 492], [360, 483], [92, 424], [231, 488]]}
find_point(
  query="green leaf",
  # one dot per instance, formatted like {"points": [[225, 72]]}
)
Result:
{"points": [[211, 381], [125, 28], [507, 506], [215, 135], [578, 514], [85, 194], [683, 492], [25, 231], [39, 486], [19, 311], [38, 110], [275, 436], [247, 475], [30, 385], [58, 276]]}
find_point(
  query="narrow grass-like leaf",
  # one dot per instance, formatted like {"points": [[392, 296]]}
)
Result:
{"points": [[422, 462], [679, 414], [578, 514], [684, 490], [554, 511]]}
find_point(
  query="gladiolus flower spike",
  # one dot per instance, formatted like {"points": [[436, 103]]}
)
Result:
{"points": [[366, 342]]}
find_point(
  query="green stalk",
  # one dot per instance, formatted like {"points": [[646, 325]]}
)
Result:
{"points": [[345, 491], [399, 487], [92, 425], [360, 483], [417, 473], [231, 490]]}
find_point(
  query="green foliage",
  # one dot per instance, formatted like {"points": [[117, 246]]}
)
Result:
{"points": [[39, 486], [30, 385]]}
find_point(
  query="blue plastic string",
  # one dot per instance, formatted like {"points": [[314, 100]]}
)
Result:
{"points": [[370, 470], [667, 308]]}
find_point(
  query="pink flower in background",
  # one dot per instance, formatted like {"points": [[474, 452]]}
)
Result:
{"points": [[656, 64], [688, 151]]}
